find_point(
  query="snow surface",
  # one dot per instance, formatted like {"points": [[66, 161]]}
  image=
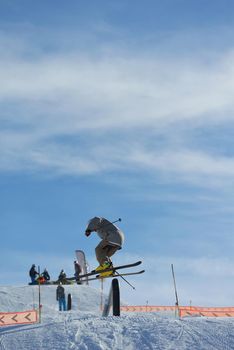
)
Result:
{"points": [[84, 328]]}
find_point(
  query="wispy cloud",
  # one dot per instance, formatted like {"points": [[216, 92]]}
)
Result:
{"points": [[119, 91], [203, 281], [76, 96]]}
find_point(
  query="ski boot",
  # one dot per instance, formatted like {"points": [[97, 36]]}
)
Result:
{"points": [[104, 266]]}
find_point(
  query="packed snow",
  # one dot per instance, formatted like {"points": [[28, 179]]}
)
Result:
{"points": [[84, 328]]}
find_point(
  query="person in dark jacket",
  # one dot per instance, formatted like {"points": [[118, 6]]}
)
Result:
{"points": [[46, 275], [33, 274], [62, 277], [60, 297], [77, 268]]}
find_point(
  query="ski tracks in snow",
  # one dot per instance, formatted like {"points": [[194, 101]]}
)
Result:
{"points": [[128, 332], [116, 333], [204, 334], [97, 333], [148, 331]]}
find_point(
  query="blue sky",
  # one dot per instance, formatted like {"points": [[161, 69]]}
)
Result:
{"points": [[120, 109]]}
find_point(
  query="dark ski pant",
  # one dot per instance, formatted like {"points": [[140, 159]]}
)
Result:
{"points": [[62, 304], [104, 251], [33, 279]]}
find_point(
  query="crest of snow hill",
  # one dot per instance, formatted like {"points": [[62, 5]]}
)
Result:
{"points": [[84, 327]]}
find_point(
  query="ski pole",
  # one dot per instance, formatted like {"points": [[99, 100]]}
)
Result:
{"points": [[39, 295], [113, 222], [119, 219], [125, 280], [176, 295]]}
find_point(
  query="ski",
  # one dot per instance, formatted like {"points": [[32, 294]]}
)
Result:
{"points": [[114, 268], [98, 277]]}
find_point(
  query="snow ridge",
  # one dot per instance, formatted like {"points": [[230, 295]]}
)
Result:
{"points": [[84, 328]]}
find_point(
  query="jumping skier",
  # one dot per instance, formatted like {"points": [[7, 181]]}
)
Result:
{"points": [[112, 239]]}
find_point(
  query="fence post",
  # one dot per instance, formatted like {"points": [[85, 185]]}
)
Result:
{"points": [[177, 308]]}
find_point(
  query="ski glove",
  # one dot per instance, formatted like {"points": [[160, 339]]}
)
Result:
{"points": [[87, 233]]}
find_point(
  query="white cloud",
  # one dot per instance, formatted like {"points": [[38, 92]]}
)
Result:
{"points": [[119, 92], [21, 151], [185, 162], [96, 98], [203, 281]]}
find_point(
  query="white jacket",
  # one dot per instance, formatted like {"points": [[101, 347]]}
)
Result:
{"points": [[106, 230]]}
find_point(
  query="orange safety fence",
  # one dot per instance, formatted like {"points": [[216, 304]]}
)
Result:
{"points": [[15, 318], [184, 310], [147, 308], [206, 311]]}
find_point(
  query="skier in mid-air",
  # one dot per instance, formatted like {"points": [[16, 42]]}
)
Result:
{"points": [[112, 239]]}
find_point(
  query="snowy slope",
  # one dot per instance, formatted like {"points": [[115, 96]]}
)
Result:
{"points": [[83, 328]]}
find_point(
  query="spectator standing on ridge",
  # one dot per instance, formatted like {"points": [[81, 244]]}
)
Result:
{"points": [[33, 274], [77, 272], [60, 297], [62, 277]]}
